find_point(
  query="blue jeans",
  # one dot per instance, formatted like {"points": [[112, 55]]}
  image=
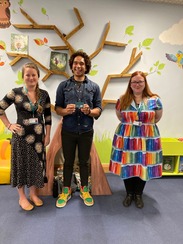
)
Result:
{"points": [[71, 141]]}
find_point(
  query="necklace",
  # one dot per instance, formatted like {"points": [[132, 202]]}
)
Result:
{"points": [[78, 85]]}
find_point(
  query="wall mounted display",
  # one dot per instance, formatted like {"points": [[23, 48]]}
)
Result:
{"points": [[19, 43], [58, 61]]}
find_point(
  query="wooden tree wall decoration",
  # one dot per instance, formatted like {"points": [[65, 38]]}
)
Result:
{"points": [[34, 25], [123, 74]]}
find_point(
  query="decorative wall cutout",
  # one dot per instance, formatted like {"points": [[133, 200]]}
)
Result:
{"points": [[48, 71], [5, 14], [133, 59]]}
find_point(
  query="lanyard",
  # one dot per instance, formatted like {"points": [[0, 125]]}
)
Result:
{"points": [[80, 91], [32, 105]]}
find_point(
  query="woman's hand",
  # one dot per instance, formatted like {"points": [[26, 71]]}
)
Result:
{"points": [[15, 128]]}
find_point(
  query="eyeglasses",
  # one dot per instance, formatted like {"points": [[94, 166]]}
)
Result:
{"points": [[140, 82]]}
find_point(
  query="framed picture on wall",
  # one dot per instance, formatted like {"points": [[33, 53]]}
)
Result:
{"points": [[19, 43], [58, 61]]}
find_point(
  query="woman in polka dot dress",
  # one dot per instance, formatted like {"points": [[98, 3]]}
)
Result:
{"points": [[31, 135]]}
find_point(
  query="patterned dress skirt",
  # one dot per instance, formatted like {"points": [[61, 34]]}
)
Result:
{"points": [[28, 160], [136, 148]]}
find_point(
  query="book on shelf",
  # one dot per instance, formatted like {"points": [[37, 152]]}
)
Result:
{"points": [[181, 164], [168, 163]]}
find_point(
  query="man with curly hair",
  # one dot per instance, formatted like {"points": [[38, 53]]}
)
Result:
{"points": [[78, 101]]}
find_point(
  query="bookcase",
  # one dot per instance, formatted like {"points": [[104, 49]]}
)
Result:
{"points": [[172, 156]]}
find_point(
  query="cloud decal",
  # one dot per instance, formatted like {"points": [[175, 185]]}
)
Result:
{"points": [[174, 35]]}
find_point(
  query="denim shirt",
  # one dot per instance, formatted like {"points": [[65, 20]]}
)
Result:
{"points": [[66, 94]]}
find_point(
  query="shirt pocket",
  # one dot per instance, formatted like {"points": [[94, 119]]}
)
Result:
{"points": [[88, 96], [69, 95]]}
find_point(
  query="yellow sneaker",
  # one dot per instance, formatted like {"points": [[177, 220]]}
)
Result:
{"points": [[85, 195], [63, 197]]}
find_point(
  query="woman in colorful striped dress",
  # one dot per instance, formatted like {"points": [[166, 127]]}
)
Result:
{"points": [[136, 149]]}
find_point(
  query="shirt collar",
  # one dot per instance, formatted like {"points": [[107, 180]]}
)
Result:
{"points": [[85, 80]]}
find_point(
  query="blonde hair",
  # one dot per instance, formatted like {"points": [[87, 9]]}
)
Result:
{"points": [[127, 98]]}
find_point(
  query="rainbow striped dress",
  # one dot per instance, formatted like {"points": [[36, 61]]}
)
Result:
{"points": [[136, 148]]}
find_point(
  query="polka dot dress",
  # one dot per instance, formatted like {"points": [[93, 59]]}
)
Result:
{"points": [[28, 156]]}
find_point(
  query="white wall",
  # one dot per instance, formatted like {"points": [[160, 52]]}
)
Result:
{"points": [[150, 20]]}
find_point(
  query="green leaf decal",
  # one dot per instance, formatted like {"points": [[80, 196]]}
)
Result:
{"points": [[21, 2], [20, 79], [93, 72], [156, 64], [147, 42], [43, 10], [129, 30], [161, 66], [2, 45], [151, 69]]}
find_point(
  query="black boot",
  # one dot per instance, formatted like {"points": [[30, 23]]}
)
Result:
{"points": [[128, 200], [138, 201]]}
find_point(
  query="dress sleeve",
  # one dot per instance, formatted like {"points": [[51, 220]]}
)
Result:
{"points": [[159, 105], [97, 100], [60, 95], [47, 111], [7, 101]]}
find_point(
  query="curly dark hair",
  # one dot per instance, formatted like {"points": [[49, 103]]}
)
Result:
{"points": [[86, 59]]}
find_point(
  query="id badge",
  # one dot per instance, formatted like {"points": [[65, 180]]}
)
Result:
{"points": [[79, 104], [33, 121], [137, 123]]}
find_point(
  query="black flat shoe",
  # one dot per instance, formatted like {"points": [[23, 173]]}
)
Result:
{"points": [[128, 200], [138, 201]]}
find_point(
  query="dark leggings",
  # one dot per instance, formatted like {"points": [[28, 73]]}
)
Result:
{"points": [[134, 185], [71, 141]]}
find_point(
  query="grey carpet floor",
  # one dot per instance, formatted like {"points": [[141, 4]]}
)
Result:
{"points": [[159, 222]]}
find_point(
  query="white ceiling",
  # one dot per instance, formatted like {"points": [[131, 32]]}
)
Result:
{"points": [[177, 2]]}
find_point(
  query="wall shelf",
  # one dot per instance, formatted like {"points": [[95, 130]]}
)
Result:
{"points": [[172, 149]]}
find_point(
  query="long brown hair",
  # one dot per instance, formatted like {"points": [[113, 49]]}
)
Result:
{"points": [[127, 98]]}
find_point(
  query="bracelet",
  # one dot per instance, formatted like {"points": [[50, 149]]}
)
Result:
{"points": [[9, 126]]}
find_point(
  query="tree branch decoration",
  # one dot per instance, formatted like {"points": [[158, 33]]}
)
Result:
{"points": [[65, 37], [48, 71], [133, 60]]}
